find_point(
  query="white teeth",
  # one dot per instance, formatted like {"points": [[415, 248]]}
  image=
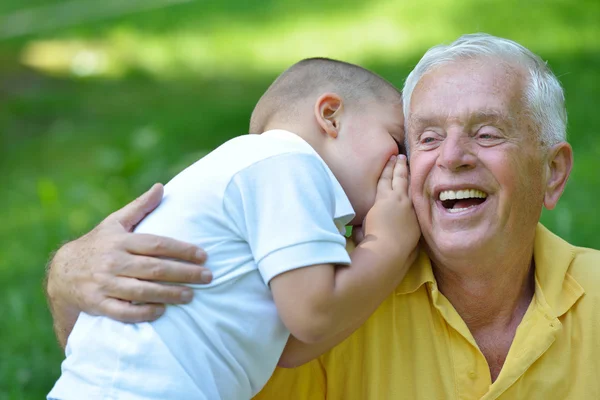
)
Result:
{"points": [[462, 194], [456, 210]]}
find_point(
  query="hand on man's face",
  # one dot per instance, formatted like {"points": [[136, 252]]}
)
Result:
{"points": [[476, 170]]}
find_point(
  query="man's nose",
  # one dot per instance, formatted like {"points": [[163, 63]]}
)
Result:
{"points": [[456, 153]]}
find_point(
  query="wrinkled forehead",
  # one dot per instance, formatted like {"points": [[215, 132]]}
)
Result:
{"points": [[467, 89]]}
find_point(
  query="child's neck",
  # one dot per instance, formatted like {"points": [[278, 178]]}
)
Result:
{"points": [[306, 131]]}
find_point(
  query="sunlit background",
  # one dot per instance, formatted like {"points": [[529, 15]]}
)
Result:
{"points": [[100, 99]]}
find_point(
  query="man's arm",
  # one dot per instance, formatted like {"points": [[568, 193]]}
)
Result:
{"points": [[64, 314], [106, 270]]}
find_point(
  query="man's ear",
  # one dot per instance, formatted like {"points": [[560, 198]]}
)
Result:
{"points": [[559, 165], [328, 110]]}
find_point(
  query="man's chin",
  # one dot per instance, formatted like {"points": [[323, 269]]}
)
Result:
{"points": [[458, 243]]}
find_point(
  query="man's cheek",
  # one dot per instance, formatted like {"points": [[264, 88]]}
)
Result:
{"points": [[416, 186]]}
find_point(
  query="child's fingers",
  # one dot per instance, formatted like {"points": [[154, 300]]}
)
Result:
{"points": [[385, 180], [358, 234], [400, 176]]}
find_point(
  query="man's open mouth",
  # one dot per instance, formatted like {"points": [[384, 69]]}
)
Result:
{"points": [[455, 201]]}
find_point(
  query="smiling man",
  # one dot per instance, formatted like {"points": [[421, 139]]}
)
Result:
{"points": [[496, 306]]}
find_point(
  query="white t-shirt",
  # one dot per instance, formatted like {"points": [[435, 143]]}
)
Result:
{"points": [[260, 205]]}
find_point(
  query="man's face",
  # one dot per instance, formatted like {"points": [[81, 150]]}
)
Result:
{"points": [[476, 163]]}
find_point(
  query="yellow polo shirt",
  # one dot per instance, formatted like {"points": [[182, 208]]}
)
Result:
{"points": [[416, 346]]}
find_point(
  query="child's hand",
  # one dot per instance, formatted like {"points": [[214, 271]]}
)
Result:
{"points": [[392, 220]]}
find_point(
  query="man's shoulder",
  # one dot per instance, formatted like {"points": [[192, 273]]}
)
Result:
{"points": [[556, 256], [585, 268], [586, 256]]}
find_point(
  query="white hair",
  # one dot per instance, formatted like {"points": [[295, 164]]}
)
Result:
{"points": [[543, 95]]}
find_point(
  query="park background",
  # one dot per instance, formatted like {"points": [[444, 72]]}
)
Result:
{"points": [[100, 99]]}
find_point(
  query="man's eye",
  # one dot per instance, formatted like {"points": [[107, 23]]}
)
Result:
{"points": [[488, 132], [487, 135], [429, 139]]}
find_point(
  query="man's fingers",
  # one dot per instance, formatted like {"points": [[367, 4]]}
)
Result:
{"points": [[158, 269], [160, 246], [131, 215], [125, 311], [140, 291], [400, 179], [385, 180]]}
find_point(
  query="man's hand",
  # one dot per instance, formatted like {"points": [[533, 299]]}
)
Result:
{"points": [[106, 270]]}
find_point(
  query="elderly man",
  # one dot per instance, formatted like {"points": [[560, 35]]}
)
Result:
{"points": [[496, 306]]}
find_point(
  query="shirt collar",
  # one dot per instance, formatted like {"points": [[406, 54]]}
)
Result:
{"points": [[418, 274], [344, 213], [552, 256]]}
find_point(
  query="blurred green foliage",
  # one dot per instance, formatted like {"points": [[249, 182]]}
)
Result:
{"points": [[98, 100]]}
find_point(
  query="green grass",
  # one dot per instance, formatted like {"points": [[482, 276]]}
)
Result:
{"points": [[181, 80]]}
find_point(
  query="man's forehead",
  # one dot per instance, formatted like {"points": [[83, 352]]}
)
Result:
{"points": [[461, 94], [477, 65], [468, 77], [435, 116]]}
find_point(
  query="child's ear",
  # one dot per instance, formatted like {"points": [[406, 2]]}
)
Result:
{"points": [[560, 163], [328, 111]]}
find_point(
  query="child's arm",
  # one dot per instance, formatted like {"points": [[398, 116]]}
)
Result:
{"points": [[297, 353], [323, 304]]}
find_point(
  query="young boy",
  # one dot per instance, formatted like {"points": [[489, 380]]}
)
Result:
{"points": [[270, 210]]}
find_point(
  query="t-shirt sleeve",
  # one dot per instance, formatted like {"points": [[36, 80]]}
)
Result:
{"points": [[284, 207]]}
